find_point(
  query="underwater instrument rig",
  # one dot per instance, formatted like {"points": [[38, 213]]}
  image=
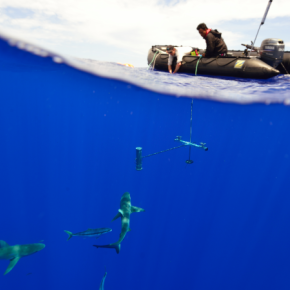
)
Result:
{"points": [[139, 156]]}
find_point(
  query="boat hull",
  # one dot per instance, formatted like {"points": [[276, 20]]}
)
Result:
{"points": [[231, 66]]}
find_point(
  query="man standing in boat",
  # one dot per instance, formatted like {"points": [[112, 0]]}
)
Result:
{"points": [[179, 53], [215, 44]]}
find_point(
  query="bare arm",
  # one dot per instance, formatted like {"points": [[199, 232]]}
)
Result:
{"points": [[178, 65], [170, 69]]}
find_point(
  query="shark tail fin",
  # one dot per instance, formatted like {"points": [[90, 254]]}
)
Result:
{"points": [[116, 246], [69, 235]]}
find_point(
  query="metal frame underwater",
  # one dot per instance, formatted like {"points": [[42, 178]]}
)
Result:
{"points": [[201, 145], [139, 156]]}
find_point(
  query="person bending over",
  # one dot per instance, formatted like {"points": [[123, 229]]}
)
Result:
{"points": [[179, 53], [215, 44]]}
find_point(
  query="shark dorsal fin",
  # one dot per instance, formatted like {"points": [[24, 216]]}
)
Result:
{"points": [[3, 244]]}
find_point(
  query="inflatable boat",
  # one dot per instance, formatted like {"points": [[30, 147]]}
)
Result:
{"points": [[264, 62], [283, 67]]}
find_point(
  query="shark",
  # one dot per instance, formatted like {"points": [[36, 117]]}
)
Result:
{"points": [[89, 233], [14, 253], [124, 213], [102, 285]]}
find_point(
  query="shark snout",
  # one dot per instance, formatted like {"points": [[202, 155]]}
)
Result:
{"points": [[39, 247]]}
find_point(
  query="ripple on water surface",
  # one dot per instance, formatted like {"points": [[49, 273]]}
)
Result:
{"points": [[274, 90], [217, 88]]}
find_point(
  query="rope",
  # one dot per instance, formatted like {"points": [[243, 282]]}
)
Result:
{"points": [[198, 60], [216, 59], [209, 61], [195, 59], [191, 121], [163, 56], [237, 57], [153, 67], [196, 72], [163, 151], [190, 128], [285, 68], [152, 59]]}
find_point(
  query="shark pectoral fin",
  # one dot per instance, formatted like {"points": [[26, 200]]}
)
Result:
{"points": [[13, 262], [3, 244], [118, 248], [136, 209], [119, 214]]}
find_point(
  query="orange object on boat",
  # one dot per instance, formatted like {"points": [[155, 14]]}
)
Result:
{"points": [[125, 64]]}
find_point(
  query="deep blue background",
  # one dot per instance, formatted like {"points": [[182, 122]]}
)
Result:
{"points": [[67, 154]]}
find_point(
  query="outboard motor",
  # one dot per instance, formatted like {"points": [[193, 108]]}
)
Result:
{"points": [[272, 51]]}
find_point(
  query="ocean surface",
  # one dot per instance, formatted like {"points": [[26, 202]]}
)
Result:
{"points": [[69, 130]]}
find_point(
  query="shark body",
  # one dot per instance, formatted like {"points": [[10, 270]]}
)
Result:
{"points": [[124, 213], [14, 253], [102, 285], [89, 233]]}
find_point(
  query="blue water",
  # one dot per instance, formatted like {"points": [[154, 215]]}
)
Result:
{"points": [[67, 154]]}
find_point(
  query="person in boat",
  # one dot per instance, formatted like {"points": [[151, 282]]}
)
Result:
{"points": [[215, 44], [179, 53]]}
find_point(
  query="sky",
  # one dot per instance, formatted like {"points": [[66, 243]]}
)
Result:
{"points": [[124, 30]]}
